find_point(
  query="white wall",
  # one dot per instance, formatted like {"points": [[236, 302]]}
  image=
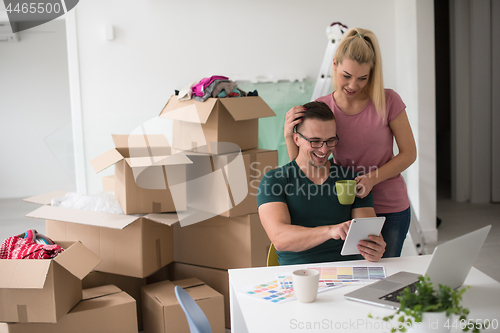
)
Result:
{"points": [[426, 140], [416, 84], [164, 45], [35, 140]]}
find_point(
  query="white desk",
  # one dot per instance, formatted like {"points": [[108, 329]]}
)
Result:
{"points": [[332, 312]]}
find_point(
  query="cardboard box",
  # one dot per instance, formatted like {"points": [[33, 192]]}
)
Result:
{"points": [[163, 313], [218, 279], [128, 245], [233, 192], [222, 242], [102, 310], [130, 285], [147, 178], [108, 183], [44, 290], [197, 124]]}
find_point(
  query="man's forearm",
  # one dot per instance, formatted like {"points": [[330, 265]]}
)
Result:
{"points": [[297, 238], [285, 236]]}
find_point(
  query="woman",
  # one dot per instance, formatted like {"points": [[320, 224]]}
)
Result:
{"points": [[368, 118]]}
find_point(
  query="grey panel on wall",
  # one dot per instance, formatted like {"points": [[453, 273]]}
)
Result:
{"points": [[281, 97]]}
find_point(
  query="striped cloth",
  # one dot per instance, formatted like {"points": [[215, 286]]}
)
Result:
{"points": [[29, 245]]}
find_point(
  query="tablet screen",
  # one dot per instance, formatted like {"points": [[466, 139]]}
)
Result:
{"points": [[360, 229]]}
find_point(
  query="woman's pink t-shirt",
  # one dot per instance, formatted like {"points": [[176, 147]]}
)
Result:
{"points": [[366, 143]]}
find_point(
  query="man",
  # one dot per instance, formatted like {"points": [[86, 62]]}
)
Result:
{"points": [[298, 204]]}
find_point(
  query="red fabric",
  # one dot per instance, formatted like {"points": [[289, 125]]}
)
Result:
{"points": [[16, 247]]}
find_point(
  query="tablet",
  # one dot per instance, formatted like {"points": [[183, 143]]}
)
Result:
{"points": [[360, 229]]}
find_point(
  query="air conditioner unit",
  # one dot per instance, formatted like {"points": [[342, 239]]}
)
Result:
{"points": [[6, 34]]}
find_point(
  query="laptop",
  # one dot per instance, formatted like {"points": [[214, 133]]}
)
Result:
{"points": [[449, 265]]}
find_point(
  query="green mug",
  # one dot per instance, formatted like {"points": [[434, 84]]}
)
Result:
{"points": [[346, 191]]}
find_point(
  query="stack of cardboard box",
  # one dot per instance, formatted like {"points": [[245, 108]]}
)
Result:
{"points": [[46, 295], [132, 248], [135, 249], [220, 135], [213, 168], [102, 309]]}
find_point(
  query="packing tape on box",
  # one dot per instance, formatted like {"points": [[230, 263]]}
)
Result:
{"points": [[156, 207], [150, 152], [212, 165], [253, 171], [229, 192], [22, 313], [158, 253]]}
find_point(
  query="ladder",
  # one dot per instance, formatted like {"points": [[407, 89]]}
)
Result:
{"points": [[334, 34]]}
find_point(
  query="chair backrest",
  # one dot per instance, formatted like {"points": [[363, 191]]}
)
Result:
{"points": [[198, 322], [272, 256]]}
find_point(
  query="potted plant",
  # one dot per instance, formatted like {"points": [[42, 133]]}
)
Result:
{"points": [[425, 304]]}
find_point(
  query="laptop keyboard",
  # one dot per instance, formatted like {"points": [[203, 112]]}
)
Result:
{"points": [[393, 296]]}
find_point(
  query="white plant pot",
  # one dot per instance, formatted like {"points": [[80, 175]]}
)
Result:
{"points": [[432, 322]]}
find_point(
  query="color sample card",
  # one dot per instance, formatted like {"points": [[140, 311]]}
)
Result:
{"points": [[350, 275], [281, 290], [285, 282], [270, 292]]}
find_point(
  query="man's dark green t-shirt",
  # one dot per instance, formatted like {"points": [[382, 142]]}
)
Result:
{"points": [[310, 205]]}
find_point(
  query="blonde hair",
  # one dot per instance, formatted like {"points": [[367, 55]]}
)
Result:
{"points": [[361, 45]]}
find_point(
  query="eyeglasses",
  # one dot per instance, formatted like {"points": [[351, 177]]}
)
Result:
{"points": [[318, 144]]}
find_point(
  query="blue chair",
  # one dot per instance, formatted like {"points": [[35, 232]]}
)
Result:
{"points": [[198, 322]]}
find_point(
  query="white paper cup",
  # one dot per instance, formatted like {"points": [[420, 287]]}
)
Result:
{"points": [[305, 284]]}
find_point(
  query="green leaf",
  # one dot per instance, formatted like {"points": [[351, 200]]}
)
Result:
{"points": [[426, 299]]}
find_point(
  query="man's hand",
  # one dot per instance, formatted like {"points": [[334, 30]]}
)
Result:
{"points": [[340, 230], [373, 249]]}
